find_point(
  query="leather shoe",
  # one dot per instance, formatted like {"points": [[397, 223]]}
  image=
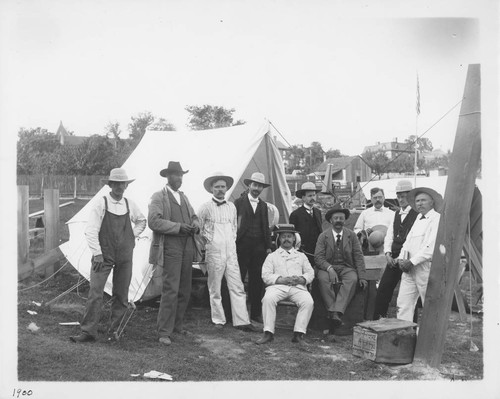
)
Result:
{"points": [[165, 340], [298, 337], [248, 328], [267, 337], [181, 331], [82, 337], [218, 326], [336, 319]]}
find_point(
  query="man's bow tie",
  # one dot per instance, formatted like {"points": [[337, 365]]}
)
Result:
{"points": [[219, 203]]}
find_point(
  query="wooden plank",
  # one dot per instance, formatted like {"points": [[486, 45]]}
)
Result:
{"points": [[23, 241], [38, 264], [475, 260], [464, 164], [460, 303], [39, 213], [51, 206]]}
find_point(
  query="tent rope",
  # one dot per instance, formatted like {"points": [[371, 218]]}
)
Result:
{"points": [[470, 286]]}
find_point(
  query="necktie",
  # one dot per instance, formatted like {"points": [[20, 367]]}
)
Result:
{"points": [[338, 240], [219, 203], [422, 217], [309, 211]]}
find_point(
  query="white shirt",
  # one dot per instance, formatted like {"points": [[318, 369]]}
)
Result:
{"points": [[373, 217], [117, 208], [282, 263], [253, 201], [176, 194], [389, 237], [420, 241], [210, 213]]}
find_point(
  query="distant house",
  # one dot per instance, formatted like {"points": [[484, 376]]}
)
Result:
{"points": [[345, 170], [68, 139], [391, 149], [284, 150], [432, 155]]}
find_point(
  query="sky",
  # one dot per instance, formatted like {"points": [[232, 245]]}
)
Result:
{"points": [[339, 73]]}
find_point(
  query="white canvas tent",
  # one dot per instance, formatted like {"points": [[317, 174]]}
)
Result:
{"points": [[237, 151]]}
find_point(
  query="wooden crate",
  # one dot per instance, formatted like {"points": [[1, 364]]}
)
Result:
{"points": [[385, 340]]}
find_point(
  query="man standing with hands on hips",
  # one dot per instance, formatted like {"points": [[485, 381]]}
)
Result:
{"points": [[253, 240], [174, 224], [111, 239]]}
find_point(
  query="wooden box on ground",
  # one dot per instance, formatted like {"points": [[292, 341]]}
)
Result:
{"points": [[385, 340]]}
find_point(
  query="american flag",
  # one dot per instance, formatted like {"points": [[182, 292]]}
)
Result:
{"points": [[418, 97]]}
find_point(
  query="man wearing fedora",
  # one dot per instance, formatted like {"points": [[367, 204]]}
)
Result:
{"points": [[286, 273], [404, 218], [416, 253], [374, 221], [307, 219], [111, 239], [338, 259], [253, 239], [218, 229], [174, 224]]}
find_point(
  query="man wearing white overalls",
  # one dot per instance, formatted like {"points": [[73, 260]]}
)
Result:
{"points": [[218, 227], [416, 253]]}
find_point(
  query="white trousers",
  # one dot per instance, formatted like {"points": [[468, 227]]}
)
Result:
{"points": [[222, 261], [413, 285], [279, 292]]}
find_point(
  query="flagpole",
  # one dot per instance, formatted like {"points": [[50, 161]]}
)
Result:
{"points": [[416, 132]]}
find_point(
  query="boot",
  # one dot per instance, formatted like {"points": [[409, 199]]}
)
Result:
{"points": [[267, 337]]}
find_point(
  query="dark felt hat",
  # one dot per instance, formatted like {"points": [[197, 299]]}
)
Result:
{"points": [[173, 167], [335, 209]]}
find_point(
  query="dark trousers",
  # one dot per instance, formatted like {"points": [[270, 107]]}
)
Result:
{"points": [[251, 256]]}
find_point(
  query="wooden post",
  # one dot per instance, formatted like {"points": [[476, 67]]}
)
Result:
{"points": [[23, 242], [445, 268], [51, 205], [74, 190]]}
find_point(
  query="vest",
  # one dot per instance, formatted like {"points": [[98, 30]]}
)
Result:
{"points": [[253, 221], [179, 213], [338, 252], [401, 230]]}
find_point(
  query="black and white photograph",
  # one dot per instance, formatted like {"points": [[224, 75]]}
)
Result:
{"points": [[241, 198]]}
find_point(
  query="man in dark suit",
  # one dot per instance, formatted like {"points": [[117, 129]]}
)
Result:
{"points": [[253, 240], [307, 219], [338, 258], [394, 240]]}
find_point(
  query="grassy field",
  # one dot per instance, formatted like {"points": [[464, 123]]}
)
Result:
{"points": [[206, 354]]}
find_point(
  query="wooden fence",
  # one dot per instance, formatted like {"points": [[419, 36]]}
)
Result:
{"points": [[68, 186]]}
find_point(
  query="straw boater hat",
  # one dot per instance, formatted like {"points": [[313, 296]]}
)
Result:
{"points": [[377, 236], [335, 209], [209, 181], [173, 167], [284, 228], [438, 199], [118, 175], [403, 186], [256, 177], [307, 186]]}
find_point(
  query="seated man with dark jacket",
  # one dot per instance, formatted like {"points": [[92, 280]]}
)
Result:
{"points": [[338, 259]]}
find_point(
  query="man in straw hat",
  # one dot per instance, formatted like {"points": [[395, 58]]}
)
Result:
{"points": [[218, 228], [111, 239], [404, 218], [286, 272], [374, 220], [307, 219], [416, 253], [253, 239], [338, 259], [174, 223]]}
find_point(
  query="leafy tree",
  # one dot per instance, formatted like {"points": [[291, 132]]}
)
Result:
{"points": [[36, 150], [378, 161], [95, 156], [331, 153], [423, 143], [113, 130], [210, 117], [161, 124], [139, 124]]}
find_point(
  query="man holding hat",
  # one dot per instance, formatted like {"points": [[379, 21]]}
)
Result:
{"points": [[338, 259], [307, 219], [111, 239], [372, 223], [286, 273], [253, 239], [174, 223], [218, 228], [404, 218], [416, 253]]}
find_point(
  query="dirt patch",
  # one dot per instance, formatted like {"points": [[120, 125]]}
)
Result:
{"points": [[220, 347]]}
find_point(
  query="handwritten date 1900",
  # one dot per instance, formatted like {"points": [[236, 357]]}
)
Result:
{"points": [[16, 393]]}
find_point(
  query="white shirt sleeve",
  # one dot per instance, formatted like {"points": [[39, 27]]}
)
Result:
{"points": [[137, 218], [93, 226]]}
